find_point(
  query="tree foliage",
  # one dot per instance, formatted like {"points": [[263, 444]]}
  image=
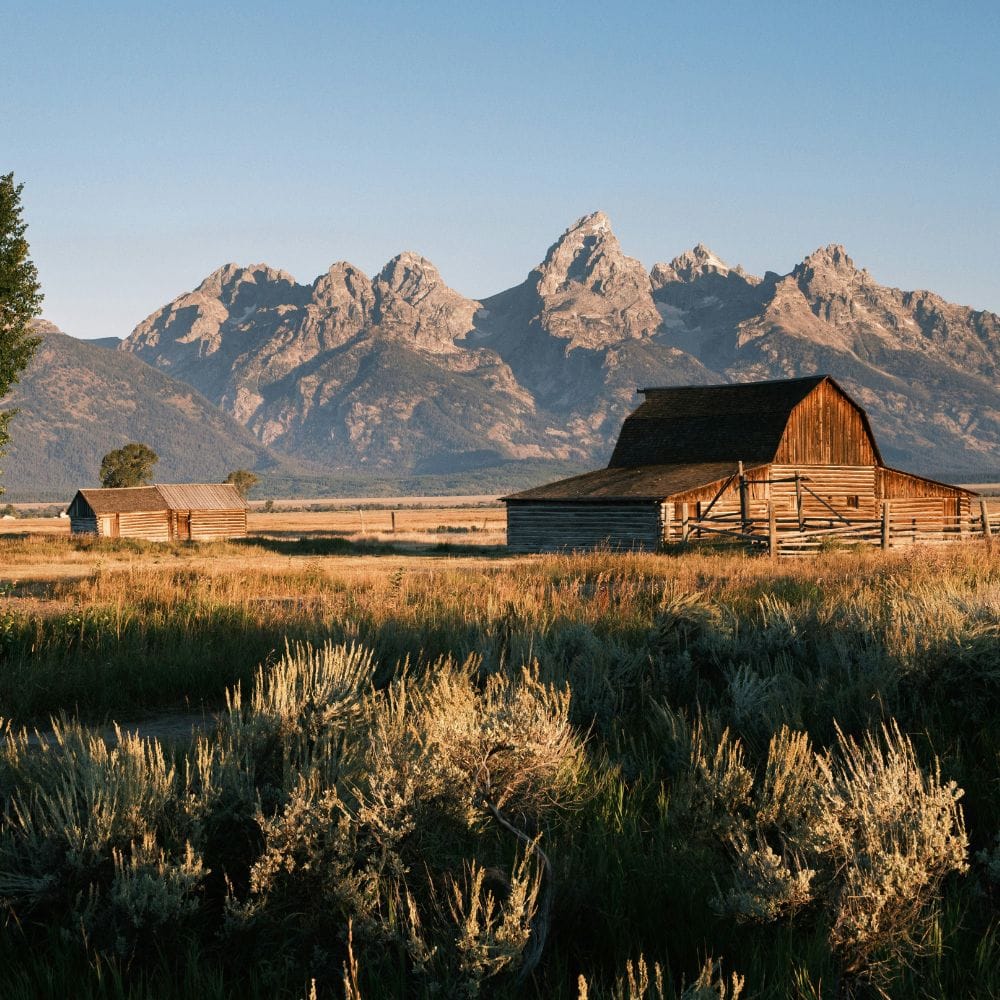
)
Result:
{"points": [[20, 297], [130, 465], [244, 480]]}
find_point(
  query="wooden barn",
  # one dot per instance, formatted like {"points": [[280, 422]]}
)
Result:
{"points": [[162, 513], [795, 455]]}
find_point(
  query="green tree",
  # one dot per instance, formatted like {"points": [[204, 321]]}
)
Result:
{"points": [[130, 465], [20, 297], [244, 480]]}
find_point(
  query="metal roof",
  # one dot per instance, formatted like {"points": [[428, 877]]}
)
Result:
{"points": [[164, 496], [202, 496]]}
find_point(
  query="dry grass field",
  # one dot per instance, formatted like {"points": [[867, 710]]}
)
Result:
{"points": [[429, 769], [423, 523]]}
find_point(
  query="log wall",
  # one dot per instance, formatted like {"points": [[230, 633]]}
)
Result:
{"points": [[207, 524], [564, 526], [83, 525], [850, 489], [153, 526]]}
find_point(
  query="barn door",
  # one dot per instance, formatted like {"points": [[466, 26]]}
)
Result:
{"points": [[184, 525], [952, 515]]}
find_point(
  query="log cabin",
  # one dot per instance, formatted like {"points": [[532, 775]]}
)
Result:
{"points": [[800, 448], [161, 513]]}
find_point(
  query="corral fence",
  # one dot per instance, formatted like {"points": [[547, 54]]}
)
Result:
{"points": [[781, 535]]}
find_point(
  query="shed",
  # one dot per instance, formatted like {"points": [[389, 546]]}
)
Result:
{"points": [[798, 447], [161, 513]]}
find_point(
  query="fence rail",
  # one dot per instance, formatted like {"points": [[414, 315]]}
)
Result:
{"points": [[798, 536]]}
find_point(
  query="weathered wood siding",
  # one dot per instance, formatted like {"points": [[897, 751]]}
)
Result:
{"points": [[153, 526], [83, 525], [922, 501], [558, 526], [206, 524], [826, 428]]}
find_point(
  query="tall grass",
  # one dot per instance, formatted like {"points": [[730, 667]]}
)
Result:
{"points": [[601, 775]]}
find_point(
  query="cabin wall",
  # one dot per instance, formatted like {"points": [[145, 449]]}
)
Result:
{"points": [[206, 524], [826, 428], [82, 525], [153, 526], [558, 526]]}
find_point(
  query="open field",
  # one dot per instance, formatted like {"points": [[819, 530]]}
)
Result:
{"points": [[429, 531], [702, 761], [416, 521]]}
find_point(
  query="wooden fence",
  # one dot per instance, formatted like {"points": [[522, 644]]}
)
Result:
{"points": [[796, 536]]}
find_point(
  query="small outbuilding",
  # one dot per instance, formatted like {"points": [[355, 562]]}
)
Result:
{"points": [[708, 461], [162, 513]]}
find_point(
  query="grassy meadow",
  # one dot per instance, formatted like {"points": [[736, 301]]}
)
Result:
{"points": [[434, 770]]}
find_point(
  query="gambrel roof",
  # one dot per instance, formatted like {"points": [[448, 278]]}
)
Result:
{"points": [[742, 421]]}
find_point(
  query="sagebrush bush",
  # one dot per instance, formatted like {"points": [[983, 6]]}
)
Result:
{"points": [[863, 830]]}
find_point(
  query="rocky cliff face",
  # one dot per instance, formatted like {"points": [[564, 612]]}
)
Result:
{"points": [[400, 372]]}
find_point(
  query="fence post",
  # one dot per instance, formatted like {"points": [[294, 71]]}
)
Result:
{"points": [[772, 531], [886, 524], [685, 526], [394, 522], [744, 500], [987, 530]]}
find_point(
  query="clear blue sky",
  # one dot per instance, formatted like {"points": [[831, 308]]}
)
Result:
{"points": [[159, 141]]}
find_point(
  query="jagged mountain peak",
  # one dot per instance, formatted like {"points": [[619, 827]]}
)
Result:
{"points": [[690, 265], [831, 257], [588, 254], [594, 222], [231, 276], [581, 248], [408, 273], [414, 304]]}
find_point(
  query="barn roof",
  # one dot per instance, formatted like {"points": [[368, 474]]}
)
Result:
{"points": [[202, 496], [164, 496], [715, 423], [646, 483], [130, 500]]}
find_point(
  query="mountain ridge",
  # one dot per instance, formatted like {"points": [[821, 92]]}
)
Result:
{"points": [[559, 355], [398, 375]]}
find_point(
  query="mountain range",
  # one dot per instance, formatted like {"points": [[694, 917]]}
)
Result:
{"points": [[398, 374]]}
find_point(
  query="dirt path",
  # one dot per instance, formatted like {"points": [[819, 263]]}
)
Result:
{"points": [[170, 727]]}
